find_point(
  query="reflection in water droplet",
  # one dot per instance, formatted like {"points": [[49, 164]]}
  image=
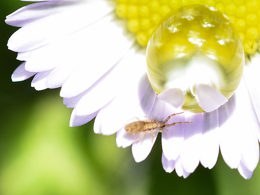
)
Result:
{"points": [[195, 46]]}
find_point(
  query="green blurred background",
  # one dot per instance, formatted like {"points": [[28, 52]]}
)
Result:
{"points": [[42, 155]]}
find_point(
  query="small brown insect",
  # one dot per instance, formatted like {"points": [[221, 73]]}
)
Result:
{"points": [[150, 125]]}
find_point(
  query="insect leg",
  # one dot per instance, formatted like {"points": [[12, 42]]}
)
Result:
{"points": [[170, 116]]}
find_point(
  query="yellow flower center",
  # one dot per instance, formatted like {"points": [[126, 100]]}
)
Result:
{"points": [[143, 17]]}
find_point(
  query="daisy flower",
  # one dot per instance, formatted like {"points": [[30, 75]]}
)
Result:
{"points": [[185, 69]]}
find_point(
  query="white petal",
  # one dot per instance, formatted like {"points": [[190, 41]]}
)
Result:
{"points": [[38, 33], [39, 80], [180, 170], [81, 120], [97, 96], [142, 147], [172, 141], [238, 132], [50, 79], [97, 43], [23, 56], [210, 140], [244, 172], [123, 109], [168, 165], [53, 0], [161, 110], [209, 98], [32, 12], [20, 74], [124, 139], [134, 101], [229, 134], [251, 75], [250, 151], [57, 77], [87, 105], [112, 117], [173, 96], [71, 102], [172, 137], [105, 89], [41, 62], [190, 154]]}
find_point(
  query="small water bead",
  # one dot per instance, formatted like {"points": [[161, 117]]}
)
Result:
{"points": [[196, 45]]}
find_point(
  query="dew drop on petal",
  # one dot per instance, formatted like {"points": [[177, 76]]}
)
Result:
{"points": [[193, 46]]}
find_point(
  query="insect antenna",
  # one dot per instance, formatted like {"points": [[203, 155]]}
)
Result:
{"points": [[175, 123]]}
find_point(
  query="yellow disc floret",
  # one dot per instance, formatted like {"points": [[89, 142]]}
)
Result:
{"points": [[143, 16], [194, 46]]}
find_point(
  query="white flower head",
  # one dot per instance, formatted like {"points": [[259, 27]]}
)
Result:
{"points": [[83, 47]]}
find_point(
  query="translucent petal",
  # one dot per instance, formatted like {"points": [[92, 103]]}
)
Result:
{"points": [[210, 140], [57, 77], [168, 165], [190, 154], [134, 100], [36, 11], [172, 142], [40, 79], [238, 133], [251, 75], [175, 97], [71, 102], [229, 137], [172, 137], [116, 110], [37, 33], [42, 60], [124, 139], [142, 147], [250, 150], [244, 172], [20, 74], [98, 95], [96, 47], [209, 98], [32, 12], [180, 170], [105, 89], [81, 120]]}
